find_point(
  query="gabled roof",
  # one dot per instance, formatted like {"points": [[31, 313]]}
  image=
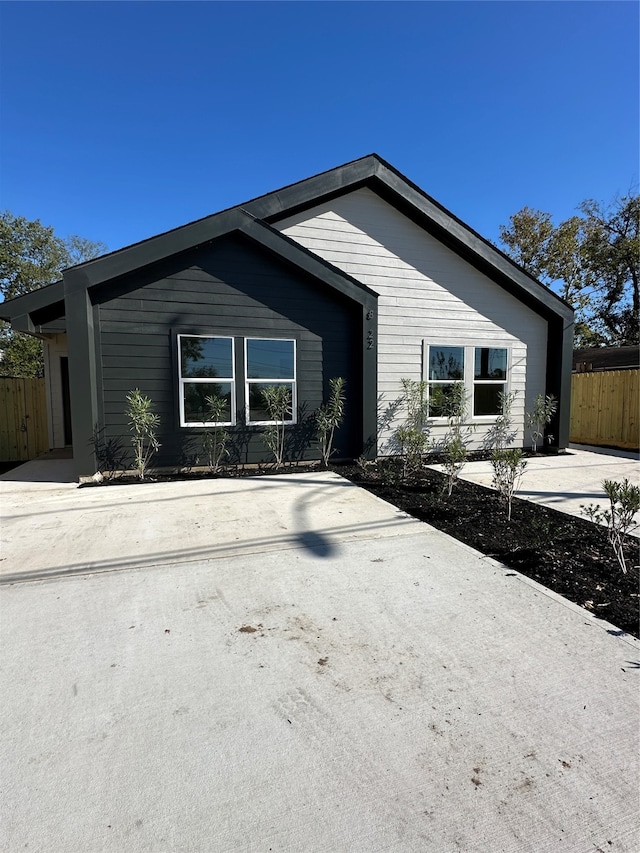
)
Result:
{"points": [[29, 312], [378, 175], [254, 218]]}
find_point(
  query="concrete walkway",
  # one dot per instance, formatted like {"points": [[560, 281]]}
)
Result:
{"points": [[568, 481], [290, 664]]}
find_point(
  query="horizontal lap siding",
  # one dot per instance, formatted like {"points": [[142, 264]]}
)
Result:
{"points": [[228, 288], [426, 292]]}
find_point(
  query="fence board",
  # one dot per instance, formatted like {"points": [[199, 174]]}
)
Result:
{"points": [[23, 419], [605, 408]]}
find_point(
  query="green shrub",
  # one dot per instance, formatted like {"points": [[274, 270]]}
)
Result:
{"points": [[214, 439], [143, 424], [508, 467], [536, 420], [329, 417], [620, 518], [277, 401], [412, 437], [456, 441], [502, 433]]}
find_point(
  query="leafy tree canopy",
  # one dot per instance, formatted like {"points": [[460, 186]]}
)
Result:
{"points": [[591, 260], [32, 256]]}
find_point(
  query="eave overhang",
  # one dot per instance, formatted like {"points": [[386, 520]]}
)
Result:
{"points": [[255, 219]]}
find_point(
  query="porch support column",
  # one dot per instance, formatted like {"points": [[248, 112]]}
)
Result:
{"points": [[82, 376]]}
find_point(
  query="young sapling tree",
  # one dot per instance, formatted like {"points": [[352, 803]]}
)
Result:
{"points": [[277, 401], [456, 441], [620, 518], [214, 439], [502, 433], [330, 416], [412, 437], [143, 423], [508, 467], [540, 417]]}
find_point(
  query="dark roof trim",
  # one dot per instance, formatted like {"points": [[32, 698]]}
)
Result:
{"points": [[23, 311], [381, 177], [302, 258], [30, 303], [105, 269], [370, 171]]}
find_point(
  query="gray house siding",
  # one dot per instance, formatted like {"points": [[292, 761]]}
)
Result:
{"points": [[229, 288], [362, 268], [428, 294]]}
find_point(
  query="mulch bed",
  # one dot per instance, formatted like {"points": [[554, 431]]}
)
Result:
{"points": [[567, 554]]}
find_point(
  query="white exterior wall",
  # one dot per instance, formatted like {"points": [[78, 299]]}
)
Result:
{"points": [[54, 347], [426, 293]]}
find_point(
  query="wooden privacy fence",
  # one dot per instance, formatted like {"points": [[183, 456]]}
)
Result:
{"points": [[23, 419], [605, 408]]}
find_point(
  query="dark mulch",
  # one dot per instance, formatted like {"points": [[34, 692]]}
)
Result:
{"points": [[567, 554]]}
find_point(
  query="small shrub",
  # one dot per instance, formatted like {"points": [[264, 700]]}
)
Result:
{"points": [[413, 444], [624, 504], [502, 433], [143, 423], [536, 420], [109, 452], [412, 437], [215, 438], [363, 463], [456, 441], [390, 474], [277, 401], [329, 417], [508, 467]]}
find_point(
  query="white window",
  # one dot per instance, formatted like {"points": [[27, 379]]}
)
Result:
{"points": [[269, 362], [489, 380], [206, 369], [445, 365], [483, 370]]}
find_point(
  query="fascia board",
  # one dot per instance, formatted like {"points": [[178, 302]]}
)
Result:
{"points": [[95, 273], [372, 171], [368, 171], [30, 302], [471, 241], [305, 260], [312, 190], [140, 255]]}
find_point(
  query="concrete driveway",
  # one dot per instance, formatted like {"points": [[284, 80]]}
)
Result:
{"points": [[290, 664]]}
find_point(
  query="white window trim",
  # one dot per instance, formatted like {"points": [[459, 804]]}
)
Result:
{"points": [[207, 380], [293, 382], [468, 376]]}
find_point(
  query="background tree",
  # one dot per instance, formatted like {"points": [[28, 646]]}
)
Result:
{"points": [[590, 260], [32, 256]]}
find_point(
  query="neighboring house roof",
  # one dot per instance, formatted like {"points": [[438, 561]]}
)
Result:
{"points": [[606, 358], [254, 218]]}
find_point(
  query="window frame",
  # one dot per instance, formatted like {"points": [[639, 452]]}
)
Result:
{"points": [[441, 382], [293, 382], [468, 377], [205, 380], [484, 382]]}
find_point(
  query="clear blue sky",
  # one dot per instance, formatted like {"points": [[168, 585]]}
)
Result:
{"points": [[121, 120]]}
